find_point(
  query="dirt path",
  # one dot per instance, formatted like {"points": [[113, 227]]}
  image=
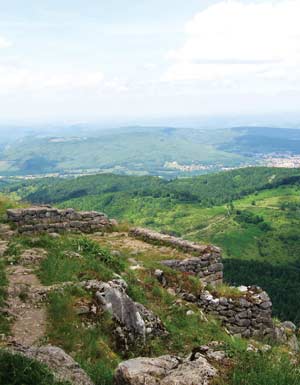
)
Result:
{"points": [[123, 242], [29, 313], [212, 224]]}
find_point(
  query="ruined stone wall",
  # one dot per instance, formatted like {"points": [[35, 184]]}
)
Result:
{"points": [[248, 314], [204, 260], [51, 220]]}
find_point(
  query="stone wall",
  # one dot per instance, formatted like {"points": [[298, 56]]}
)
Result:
{"points": [[204, 260], [51, 220], [246, 311], [248, 314]]}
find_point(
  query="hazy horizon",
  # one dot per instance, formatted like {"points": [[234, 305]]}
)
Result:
{"points": [[141, 61]]}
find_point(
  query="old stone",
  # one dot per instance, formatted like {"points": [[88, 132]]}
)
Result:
{"points": [[60, 363], [165, 370]]}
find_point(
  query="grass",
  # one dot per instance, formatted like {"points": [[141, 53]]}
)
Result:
{"points": [[6, 203], [263, 369], [18, 370], [70, 258], [4, 324], [185, 332], [89, 343], [224, 290]]}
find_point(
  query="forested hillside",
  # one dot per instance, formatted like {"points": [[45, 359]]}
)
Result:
{"points": [[252, 213], [162, 151], [206, 190]]}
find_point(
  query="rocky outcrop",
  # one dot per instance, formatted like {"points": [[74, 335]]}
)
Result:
{"points": [[134, 322], [165, 370], [60, 363], [205, 260], [52, 220], [285, 333]]}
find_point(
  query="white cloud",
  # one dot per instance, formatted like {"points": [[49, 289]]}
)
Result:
{"points": [[234, 42], [14, 78], [4, 43]]}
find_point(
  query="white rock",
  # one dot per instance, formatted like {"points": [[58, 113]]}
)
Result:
{"points": [[190, 312], [243, 289]]}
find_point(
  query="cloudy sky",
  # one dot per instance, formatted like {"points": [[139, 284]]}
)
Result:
{"points": [[96, 59]]}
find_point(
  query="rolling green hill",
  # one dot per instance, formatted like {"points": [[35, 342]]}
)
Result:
{"points": [[161, 151], [135, 150], [252, 213]]}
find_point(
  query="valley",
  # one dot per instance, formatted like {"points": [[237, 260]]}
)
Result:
{"points": [[159, 151], [253, 214]]}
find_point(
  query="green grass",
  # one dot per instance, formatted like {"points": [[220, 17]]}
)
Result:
{"points": [[18, 370], [263, 369], [70, 258], [4, 324], [8, 202], [255, 221], [91, 346], [223, 290]]}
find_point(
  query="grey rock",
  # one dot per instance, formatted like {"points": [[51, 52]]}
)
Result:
{"points": [[165, 370], [134, 321], [63, 366], [223, 301], [116, 253], [266, 305], [289, 325], [159, 274], [286, 335]]}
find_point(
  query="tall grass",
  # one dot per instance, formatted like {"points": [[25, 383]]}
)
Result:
{"points": [[90, 346], [19, 370], [263, 369], [4, 324]]}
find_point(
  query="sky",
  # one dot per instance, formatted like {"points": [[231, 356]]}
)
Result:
{"points": [[87, 60]]}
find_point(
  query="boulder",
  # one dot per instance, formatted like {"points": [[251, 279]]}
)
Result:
{"points": [[165, 370], [285, 334], [134, 321], [63, 367]]}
